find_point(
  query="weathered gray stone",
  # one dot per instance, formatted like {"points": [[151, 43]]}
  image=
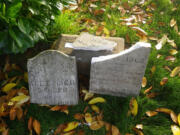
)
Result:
{"points": [[53, 79], [84, 57], [90, 42], [120, 74]]}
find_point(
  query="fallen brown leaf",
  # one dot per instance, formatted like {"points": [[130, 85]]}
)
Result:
{"points": [[78, 116], [144, 82], [133, 106], [178, 117], [139, 132], [88, 117], [164, 81], [71, 126], [37, 127], [12, 113], [19, 113], [115, 130], [153, 69], [148, 90], [174, 117], [98, 12], [173, 51], [151, 113], [69, 133], [5, 132], [88, 95], [164, 110], [139, 126], [172, 22], [30, 124], [175, 71], [60, 129], [170, 58], [80, 132], [96, 125], [95, 108], [167, 68], [175, 129], [152, 95]]}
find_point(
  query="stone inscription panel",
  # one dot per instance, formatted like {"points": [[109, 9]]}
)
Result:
{"points": [[53, 79], [120, 74]]}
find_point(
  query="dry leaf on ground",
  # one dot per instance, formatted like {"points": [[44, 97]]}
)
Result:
{"points": [[78, 116], [88, 95], [88, 117], [175, 71], [139, 132], [37, 127], [8, 87], [115, 130], [133, 106], [173, 51], [96, 125], [174, 117], [175, 129], [97, 100], [71, 126], [30, 124], [12, 113], [164, 81], [139, 126], [172, 22], [151, 113], [161, 42], [144, 82], [148, 90], [164, 110], [95, 108], [178, 117], [5, 132]]}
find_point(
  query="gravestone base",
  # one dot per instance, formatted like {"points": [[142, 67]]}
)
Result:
{"points": [[84, 57]]}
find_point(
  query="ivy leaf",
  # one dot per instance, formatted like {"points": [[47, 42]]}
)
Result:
{"points": [[13, 9], [22, 41]]}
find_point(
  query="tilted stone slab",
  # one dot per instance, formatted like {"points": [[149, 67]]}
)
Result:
{"points": [[53, 79], [120, 74], [84, 57]]}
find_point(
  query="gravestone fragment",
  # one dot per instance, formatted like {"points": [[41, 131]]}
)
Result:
{"points": [[90, 42], [52, 79], [120, 74], [84, 53]]}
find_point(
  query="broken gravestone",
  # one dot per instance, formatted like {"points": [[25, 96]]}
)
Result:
{"points": [[86, 46], [120, 74], [52, 79]]}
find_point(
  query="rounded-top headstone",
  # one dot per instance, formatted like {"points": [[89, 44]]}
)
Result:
{"points": [[53, 79]]}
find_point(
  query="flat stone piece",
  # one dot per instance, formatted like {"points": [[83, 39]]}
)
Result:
{"points": [[53, 79], [90, 42], [120, 74], [84, 57]]}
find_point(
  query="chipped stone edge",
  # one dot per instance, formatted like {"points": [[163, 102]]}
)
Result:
{"points": [[134, 47]]}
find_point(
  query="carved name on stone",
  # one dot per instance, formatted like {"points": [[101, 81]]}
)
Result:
{"points": [[120, 74], [53, 79]]}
